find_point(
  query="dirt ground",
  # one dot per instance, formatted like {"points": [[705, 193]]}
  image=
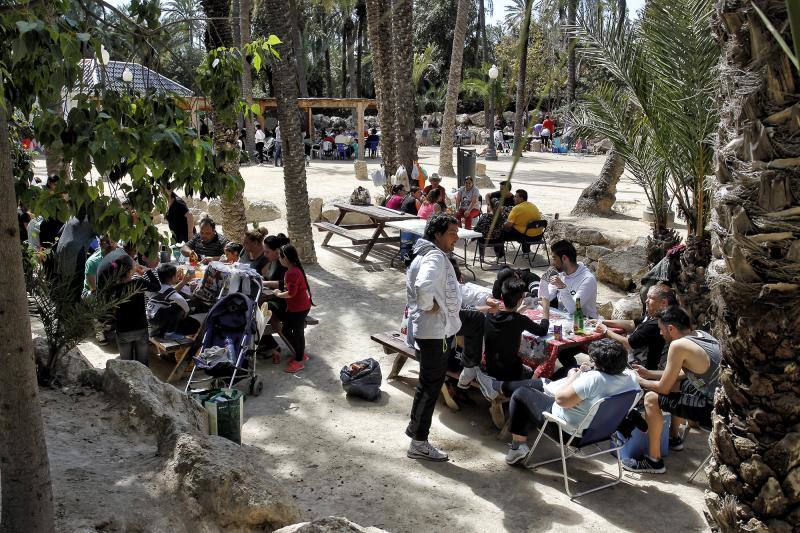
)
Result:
{"points": [[346, 457]]}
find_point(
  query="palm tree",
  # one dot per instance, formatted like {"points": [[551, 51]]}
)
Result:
{"points": [[226, 133], [402, 65], [247, 77], [662, 82], [453, 88], [361, 13], [522, 75], [753, 472], [572, 10], [379, 29], [189, 13], [294, 168]]}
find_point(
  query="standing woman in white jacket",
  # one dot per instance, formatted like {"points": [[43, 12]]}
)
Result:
{"points": [[434, 318]]}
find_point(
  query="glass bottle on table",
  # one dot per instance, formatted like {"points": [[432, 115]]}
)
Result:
{"points": [[577, 318]]}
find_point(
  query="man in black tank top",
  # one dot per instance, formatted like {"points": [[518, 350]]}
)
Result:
{"points": [[684, 388]]}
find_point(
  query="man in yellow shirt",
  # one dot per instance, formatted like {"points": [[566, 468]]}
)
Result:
{"points": [[515, 228]]}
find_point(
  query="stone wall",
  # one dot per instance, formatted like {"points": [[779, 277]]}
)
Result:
{"points": [[615, 260]]}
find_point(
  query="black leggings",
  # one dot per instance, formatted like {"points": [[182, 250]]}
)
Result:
{"points": [[294, 325], [527, 403]]}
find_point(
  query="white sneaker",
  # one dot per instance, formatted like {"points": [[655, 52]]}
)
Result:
{"points": [[468, 374], [518, 456], [426, 451], [485, 381]]}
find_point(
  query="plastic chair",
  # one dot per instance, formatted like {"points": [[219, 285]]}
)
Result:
{"points": [[608, 415], [316, 149], [341, 151], [708, 457], [481, 245], [556, 147], [327, 149], [372, 148], [539, 241]]}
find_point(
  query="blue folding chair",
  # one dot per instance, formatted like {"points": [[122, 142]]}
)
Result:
{"points": [[341, 151], [608, 415]]}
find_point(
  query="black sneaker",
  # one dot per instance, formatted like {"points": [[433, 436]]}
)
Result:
{"points": [[676, 443], [644, 465]]}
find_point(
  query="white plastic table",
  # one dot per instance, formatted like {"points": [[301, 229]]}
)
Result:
{"points": [[417, 227]]}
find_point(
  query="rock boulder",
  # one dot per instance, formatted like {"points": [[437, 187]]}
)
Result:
{"points": [[331, 213], [627, 308], [263, 211], [508, 116], [315, 208], [623, 268], [463, 119], [477, 119], [595, 252], [214, 210], [330, 524], [68, 367]]}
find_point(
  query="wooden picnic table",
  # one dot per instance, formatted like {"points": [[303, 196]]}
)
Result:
{"points": [[378, 215]]}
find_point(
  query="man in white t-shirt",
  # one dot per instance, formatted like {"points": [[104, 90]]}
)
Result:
{"points": [[570, 398], [260, 139]]}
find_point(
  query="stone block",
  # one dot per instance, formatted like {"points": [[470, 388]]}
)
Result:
{"points": [[623, 268], [595, 251], [462, 119], [477, 119], [315, 208], [589, 236], [480, 169], [361, 170], [262, 211], [483, 182], [627, 308]]}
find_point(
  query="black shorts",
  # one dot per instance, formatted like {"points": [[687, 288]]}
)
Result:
{"points": [[689, 403]]}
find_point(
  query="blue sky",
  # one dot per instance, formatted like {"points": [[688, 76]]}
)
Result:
{"points": [[500, 9]]}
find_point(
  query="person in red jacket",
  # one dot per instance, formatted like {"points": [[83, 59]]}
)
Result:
{"points": [[298, 303]]}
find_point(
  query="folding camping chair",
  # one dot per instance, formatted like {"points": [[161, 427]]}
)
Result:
{"points": [[538, 241], [608, 415]]}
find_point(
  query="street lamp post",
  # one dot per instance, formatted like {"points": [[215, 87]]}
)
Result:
{"points": [[491, 151]]}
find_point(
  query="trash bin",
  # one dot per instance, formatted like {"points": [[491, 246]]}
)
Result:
{"points": [[465, 160], [225, 409]]}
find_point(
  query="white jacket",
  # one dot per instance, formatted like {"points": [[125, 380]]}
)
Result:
{"points": [[580, 284], [429, 279]]}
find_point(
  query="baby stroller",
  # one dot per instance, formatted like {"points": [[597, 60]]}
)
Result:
{"points": [[230, 335]]}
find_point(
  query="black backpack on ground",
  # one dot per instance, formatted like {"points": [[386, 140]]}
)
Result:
{"points": [[362, 379]]}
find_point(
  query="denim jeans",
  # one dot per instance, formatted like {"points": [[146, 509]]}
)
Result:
{"points": [[134, 345]]}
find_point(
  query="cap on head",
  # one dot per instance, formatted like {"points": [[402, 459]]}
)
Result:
{"points": [[435, 177]]}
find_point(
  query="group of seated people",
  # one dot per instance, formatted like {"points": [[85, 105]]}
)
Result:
{"points": [[345, 143], [676, 366]]}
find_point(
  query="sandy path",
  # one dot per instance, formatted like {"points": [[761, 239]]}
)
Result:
{"points": [[347, 457]]}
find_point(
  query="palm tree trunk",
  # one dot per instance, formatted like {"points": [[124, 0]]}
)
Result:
{"points": [[27, 497], [328, 77], [753, 474], [572, 12], [219, 33], [403, 65], [621, 9], [361, 11], [453, 88], [299, 51], [345, 41], [379, 30], [522, 76], [294, 167], [247, 77], [488, 120], [598, 198]]}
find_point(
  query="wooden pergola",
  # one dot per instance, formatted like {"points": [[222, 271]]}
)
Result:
{"points": [[359, 105]]}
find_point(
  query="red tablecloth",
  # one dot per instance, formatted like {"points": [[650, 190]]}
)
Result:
{"points": [[545, 369]]}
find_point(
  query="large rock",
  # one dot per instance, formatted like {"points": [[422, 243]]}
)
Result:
{"points": [[68, 367], [624, 268], [262, 211], [595, 252], [508, 116], [627, 308], [214, 210], [605, 309], [152, 405], [463, 119], [360, 168], [315, 208], [330, 524], [603, 146], [331, 213], [229, 482], [219, 480], [483, 182], [588, 236], [478, 119]]}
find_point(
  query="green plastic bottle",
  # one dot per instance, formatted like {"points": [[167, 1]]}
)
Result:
{"points": [[577, 318]]}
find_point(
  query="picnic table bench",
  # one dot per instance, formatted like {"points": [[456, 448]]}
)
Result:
{"points": [[393, 342], [378, 216]]}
